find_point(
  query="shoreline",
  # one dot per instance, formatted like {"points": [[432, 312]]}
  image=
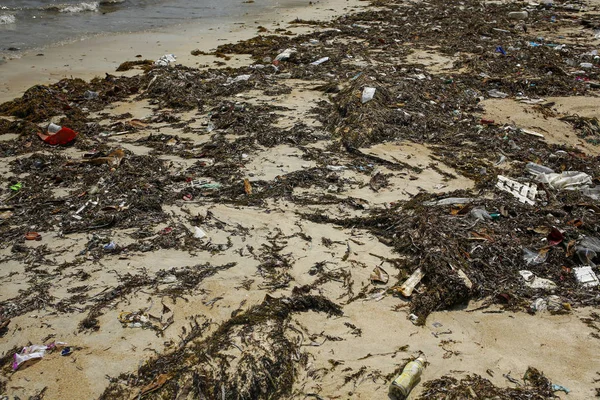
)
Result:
{"points": [[97, 55]]}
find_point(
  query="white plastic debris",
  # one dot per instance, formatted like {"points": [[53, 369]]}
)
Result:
{"points": [[239, 78], [285, 55], [569, 180], [165, 60], [411, 283], [33, 352], [586, 276], [518, 15], [549, 303], [28, 353], [480, 214], [368, 94], [320, 61], [535, 282], [497, 94], [53, 128], [537, 169], [199, 233], [527, 100], [449, 201], [525, 193], [532, 133]]}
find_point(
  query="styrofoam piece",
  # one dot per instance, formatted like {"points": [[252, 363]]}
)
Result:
{"points": [[524, 192], [586, 276]]}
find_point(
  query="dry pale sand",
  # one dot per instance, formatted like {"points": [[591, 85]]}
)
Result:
{"points": [[376, 334]]}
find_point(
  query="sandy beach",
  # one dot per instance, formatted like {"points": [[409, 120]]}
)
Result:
{"points": [[238, 224]]}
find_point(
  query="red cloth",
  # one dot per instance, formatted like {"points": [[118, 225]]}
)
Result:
{"points": [[64, 136]]}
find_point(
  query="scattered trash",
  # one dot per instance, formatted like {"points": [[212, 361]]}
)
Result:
{"points": [[569, 180], [136, 319], [16, 187], [66, 351], [53, 128], [449, 201], [532, 133], [376, 148], [408, 379], [285, 55], [89, 95], [586, 276], [587, 250], [320, 61], [518, 15], [247, 187], [497, 94], [535, 257], [555, 237], [525, 193], [28, 353], [480, 214], [240, 78], [368, 94], [62, 136], [535, 282], [560, 388], [379, 275], [411, 283], [33, 236], [33, 352], [199, 233], [537, 169], [550, 303], [165, 60]]}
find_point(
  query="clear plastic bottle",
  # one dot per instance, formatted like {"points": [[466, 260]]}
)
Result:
{"points": [[408, 379], [537, 169]]}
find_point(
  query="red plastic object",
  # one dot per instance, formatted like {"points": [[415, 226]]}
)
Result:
{"points": [[64, 136], [555, 237], [33, 236]]}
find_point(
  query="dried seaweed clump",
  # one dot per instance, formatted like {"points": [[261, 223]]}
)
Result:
{"points": [[250, 356], [359, 124], [537, 386]]}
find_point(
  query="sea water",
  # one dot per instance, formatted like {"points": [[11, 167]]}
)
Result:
{"points": [[33, 24]]}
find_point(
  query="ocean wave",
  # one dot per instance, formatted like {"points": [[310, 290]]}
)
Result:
{"points": [[7, 19], [105, 2], [92, 6]]}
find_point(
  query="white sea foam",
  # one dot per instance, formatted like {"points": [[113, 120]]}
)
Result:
{"points": [[75, 8], [7, 19]]}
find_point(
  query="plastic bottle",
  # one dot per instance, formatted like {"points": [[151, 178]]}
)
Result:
{"points": [[408, 379], [537, 169]]}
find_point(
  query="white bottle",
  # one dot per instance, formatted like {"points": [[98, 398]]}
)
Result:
{"points": [[408, 379]]}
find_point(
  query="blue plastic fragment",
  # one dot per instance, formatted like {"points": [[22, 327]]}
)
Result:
{"points": [[559, 388]]}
